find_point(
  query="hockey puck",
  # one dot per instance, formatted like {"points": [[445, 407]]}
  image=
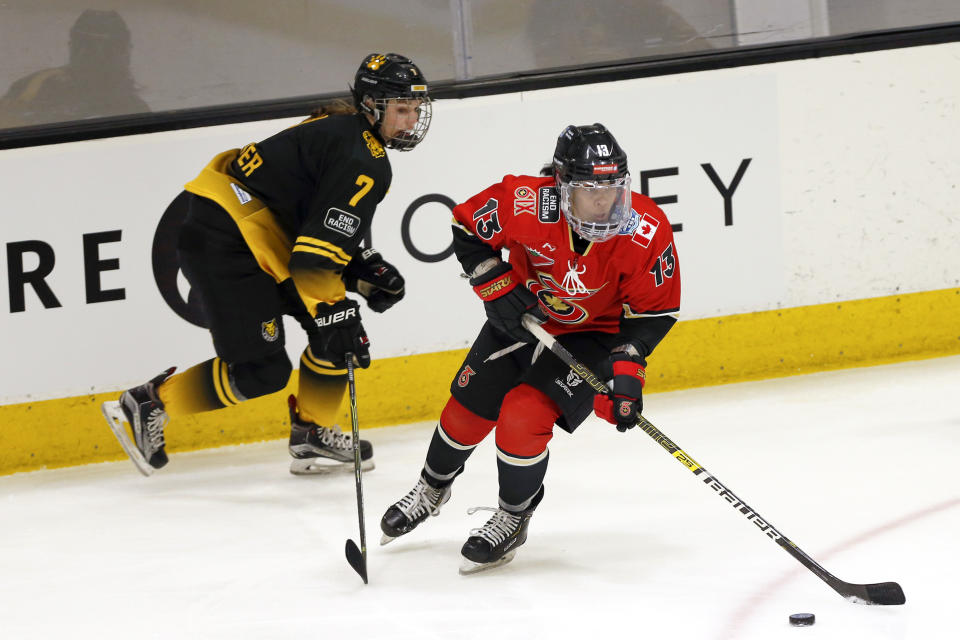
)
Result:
{"points": [[802, 619]]}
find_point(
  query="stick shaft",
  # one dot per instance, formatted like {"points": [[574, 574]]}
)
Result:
{"points": [[358, 474], [882, 593]]}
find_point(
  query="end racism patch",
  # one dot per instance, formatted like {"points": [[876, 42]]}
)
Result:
{"points": [[342, 222], [549, 210]]}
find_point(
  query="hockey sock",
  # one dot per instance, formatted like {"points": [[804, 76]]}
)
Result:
{"points": [[456, 436], [524, 428], [203, 387], [321, 389]]}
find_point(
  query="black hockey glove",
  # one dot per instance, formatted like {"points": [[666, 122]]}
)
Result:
{"points": [[340, 332], [375, 279], [506, 299], [622, 406]]}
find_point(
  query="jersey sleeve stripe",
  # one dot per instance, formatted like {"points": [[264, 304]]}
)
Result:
{"points": [[630, 313], [336, 259], [462, 227], [306, 241]]}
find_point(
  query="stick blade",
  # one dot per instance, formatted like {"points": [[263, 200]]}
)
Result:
{"points": [[356, 559], [880, 593], [886, 593]]}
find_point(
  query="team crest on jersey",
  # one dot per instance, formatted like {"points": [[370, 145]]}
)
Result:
{"points": [[631, 225], [559, 303], [270, 330], [524, 201], [537, 259], [374, 146], [549, 210], [646, 229]]}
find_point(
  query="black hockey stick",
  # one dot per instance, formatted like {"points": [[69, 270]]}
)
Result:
{"points": [[880, 593], [356, 557]]}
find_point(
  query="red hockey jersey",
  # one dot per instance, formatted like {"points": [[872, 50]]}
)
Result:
{"points": [[634, 275]]}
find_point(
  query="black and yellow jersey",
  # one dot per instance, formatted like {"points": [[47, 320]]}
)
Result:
{"points": [[303, 198]]}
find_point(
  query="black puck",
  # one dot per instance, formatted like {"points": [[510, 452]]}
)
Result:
{"points": [[802, 619]]}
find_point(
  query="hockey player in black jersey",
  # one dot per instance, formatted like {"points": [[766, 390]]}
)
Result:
{"points": [[274, 229]]}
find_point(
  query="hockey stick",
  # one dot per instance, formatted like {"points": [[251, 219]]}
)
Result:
{"points": [[356, 557], [884, 593]]}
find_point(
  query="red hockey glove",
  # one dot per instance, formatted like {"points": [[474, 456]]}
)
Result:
{"points": [[506, 299], [622, 406]]}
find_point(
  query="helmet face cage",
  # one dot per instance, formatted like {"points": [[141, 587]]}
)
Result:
{"points": [[594, 184], [596, 210], [385, 78], [403, 140]]}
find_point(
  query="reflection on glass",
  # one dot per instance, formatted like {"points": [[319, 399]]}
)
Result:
{"points": [[95, 82], [573, 32]]}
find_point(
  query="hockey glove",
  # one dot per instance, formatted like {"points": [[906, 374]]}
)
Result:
{"points": [[506, 299], [340, 332], [622, 406], [375, 279]]}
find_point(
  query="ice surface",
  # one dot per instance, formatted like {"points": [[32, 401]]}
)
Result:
{"points": [[857, 467]]}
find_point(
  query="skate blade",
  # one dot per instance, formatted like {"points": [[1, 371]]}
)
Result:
{"points": [[325, 466], [385, 539], [469, 567], [116, 419]]}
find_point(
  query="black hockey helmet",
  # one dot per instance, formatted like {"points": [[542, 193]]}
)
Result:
{"points": [[390, 76], [591, 172], [590, 153]]}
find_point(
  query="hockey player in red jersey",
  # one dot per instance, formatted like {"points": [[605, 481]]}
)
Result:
{"points": [[597, 265]]}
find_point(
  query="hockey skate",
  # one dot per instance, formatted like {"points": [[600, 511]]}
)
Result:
{"points": [[318, 450], [142, 411], [495, 543], [407, 513]]}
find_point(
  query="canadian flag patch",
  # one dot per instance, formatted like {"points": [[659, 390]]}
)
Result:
{"points": [[645, 230]]}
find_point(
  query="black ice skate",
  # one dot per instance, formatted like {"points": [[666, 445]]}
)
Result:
{"points": [[412, 509], [143, 412], [317, 449], [495, 543]]}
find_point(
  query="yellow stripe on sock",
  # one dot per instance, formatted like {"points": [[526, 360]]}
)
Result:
{"points": [[319, 366], [221, 383]]}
